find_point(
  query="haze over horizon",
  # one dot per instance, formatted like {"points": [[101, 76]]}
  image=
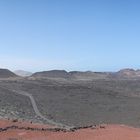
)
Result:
{"points": [[81, 35]]}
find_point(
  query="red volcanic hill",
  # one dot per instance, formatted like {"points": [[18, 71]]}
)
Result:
{"points": [[15, 130], [126, 74]]}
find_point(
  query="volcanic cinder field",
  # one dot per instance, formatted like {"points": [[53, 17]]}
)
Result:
{"points": [[72, 99]]}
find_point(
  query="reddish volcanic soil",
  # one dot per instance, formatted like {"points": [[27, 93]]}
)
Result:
{"points": [[28, 131]]}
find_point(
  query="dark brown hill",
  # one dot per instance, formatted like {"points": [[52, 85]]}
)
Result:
{"points": [[5, 73], [78, 75], [52, 74]]}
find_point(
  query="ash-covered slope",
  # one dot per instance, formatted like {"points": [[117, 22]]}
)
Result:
{"points": [[5, 73], [88, 75]]}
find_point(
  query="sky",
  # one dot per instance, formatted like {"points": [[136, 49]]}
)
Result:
{"points": [[96, 35]]}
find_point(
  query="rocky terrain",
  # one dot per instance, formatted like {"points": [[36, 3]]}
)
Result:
{"points": [[70, 99]]}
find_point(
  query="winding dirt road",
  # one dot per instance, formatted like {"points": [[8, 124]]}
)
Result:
{"points": [[36, 110], [38, 113]]}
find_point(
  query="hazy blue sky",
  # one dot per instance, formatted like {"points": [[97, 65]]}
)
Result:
{"points": [[98, 35]]}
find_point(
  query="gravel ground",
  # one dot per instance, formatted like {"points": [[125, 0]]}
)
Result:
{"points": [[74, 102]]}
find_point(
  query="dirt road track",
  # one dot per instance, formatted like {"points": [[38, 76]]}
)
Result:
{"points": [[36, 110]]}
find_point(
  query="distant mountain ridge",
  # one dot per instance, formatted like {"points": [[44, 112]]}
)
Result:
{"points": [[79, 75], [88, 75]]}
